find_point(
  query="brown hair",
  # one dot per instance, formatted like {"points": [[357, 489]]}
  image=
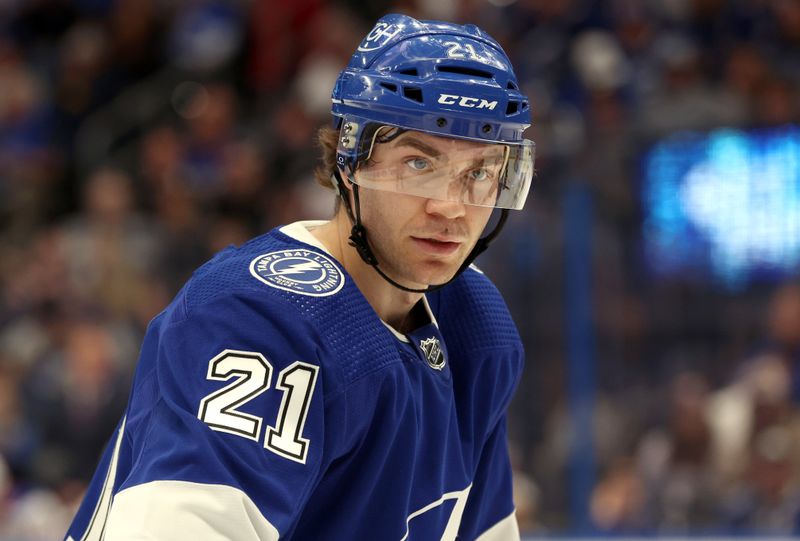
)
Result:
{"points": [[327, 139]]}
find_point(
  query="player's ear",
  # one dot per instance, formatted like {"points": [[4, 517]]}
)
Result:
{"points": [[340, 182], [345, 181]]}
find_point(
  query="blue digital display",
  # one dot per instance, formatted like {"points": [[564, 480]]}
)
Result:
{"points": [[723, 206]]}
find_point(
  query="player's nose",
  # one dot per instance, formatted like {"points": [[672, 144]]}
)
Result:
{"points": [[445, 208]]}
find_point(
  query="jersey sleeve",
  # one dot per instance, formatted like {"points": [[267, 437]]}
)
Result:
{"points": [[487, 359], [489, 514], [230, 426]]}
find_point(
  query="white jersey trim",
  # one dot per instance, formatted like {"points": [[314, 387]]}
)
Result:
{"points": [[185, 510], [451, 529], [98, 522], [301, 231], [429, 311], [505, 530], [397, 334]]}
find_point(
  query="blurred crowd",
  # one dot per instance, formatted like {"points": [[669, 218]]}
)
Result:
{"points": [[138, 137]]}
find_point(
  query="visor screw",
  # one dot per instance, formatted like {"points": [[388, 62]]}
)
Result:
{"points": [[441, 122], [486, 128]]}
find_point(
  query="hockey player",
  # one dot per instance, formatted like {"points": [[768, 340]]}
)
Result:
{"points": [[346, 380]]}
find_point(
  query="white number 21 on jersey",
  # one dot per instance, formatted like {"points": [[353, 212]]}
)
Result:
{"points": [[252, 375]]}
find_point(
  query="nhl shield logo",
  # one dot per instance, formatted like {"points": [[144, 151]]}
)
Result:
{"points": [[433, 352], [298, 271]]}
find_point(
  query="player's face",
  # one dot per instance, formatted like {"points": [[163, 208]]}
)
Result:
{"points": [[421, 241]]}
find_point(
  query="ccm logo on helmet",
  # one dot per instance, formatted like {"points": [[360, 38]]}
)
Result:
{"points": [[466, 101]]}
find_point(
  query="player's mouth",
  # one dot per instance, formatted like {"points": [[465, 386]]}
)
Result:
{"points": [[436, 246]]}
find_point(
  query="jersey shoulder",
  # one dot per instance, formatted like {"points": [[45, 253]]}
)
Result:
{"points": [[271, 266], [472, 309], [276, 280], [483, 344]]}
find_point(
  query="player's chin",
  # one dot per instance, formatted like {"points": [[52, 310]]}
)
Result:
{"points": [[439, 272]]}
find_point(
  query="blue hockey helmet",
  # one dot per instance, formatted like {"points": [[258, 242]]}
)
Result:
{"points": [[435, 77]]}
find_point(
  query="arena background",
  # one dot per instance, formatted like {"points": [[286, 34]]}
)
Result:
{"points": [[653, 273]]}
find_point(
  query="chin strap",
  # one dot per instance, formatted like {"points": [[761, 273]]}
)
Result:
{"points": [[358, 238]]}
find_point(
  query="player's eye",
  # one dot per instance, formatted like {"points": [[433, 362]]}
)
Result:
{"points": [[418, 164], [480, 174]]}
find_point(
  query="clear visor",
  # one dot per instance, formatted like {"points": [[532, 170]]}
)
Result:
{"points": [[433, 167]]}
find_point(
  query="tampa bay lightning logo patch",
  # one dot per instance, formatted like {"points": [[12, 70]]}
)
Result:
{"points": [[299, 271], [433, 352]]}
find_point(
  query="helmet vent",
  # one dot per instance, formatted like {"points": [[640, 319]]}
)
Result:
{"points": [[413, 93], [409, 71], [462, 70], [389, 86], [512, 86], [512, 107]]}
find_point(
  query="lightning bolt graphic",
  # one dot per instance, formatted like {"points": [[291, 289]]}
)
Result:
{"points": [[297, 268]]}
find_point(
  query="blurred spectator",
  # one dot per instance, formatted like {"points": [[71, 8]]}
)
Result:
{"points": [[280, 34], [205, 35], [686, 99], [745, 69], [675, 462], [182, 237], [758, 450], [37, 515], [526, 498], [83, 56], [110, 249], [6, 488], [617, 504], [27, 163], [784, 39], [776, 102], [769, 501], [783, 331], [210, 122], [18, 437], [76, 395]]}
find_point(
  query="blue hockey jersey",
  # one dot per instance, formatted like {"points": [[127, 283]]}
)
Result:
{"points": [[271, 402]]}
